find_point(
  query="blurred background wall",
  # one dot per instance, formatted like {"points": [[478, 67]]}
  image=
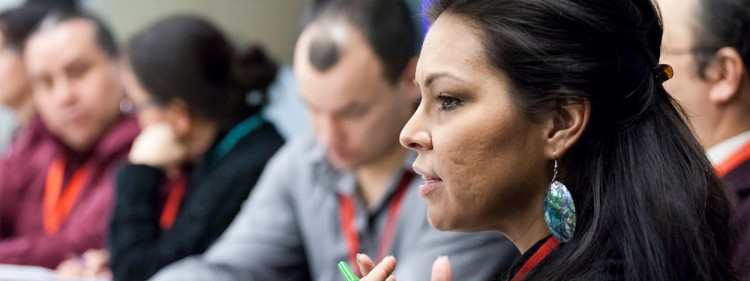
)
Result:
{"points": [[274, 23]]}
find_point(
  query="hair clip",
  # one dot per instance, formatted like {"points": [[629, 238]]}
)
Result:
{"points": [[664, 72]]}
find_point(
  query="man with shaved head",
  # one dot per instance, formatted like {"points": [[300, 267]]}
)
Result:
{"points": [[349, 188]]}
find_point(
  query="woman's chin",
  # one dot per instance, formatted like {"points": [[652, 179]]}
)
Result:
{"points": [[439, 221]]}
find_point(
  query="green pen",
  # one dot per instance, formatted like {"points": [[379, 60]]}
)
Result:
{"points": [[347, 272]]}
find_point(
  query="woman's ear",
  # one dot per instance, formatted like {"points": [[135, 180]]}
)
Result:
{"points": [[178, 115], [566, 125]]}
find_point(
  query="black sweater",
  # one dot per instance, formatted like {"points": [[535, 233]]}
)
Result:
{"points": [[213, 196], [606, 268]]}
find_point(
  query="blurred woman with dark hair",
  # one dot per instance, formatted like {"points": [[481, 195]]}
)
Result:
{"points": [[547, 121], [203, 145]]}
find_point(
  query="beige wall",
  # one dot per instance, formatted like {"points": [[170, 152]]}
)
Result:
{"points": [[273, 23]]}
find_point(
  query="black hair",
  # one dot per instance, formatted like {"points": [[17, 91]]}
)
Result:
{"points": [[102, 34], [649, 206], [721, 23], [68, 5], [187, 57], [17, 24], [386, 24]]}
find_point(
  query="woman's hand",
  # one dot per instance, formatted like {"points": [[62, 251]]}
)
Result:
{"points": [[157, 146], [441, 269], [93, 263], [383, 271]]}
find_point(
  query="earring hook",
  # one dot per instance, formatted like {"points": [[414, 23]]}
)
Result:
{"points": [[554, 175]]}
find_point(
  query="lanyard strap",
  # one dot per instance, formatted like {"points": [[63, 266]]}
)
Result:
{"points": [[234, 136], [537, 257], [172, 205], [179, 185], [347, 207], [737, 158], [56, 207]]}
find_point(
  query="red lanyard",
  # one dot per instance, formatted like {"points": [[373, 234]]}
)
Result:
{"points": [[537, 257], [740, 156], [56, 207], [172, 205], [347, 209]]}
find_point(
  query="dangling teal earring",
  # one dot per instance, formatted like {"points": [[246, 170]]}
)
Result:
{"points": [[559, 211]]}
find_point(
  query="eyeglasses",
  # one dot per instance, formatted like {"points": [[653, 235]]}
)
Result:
{"points": [[705, 51], [9, 47], [127, 106]]}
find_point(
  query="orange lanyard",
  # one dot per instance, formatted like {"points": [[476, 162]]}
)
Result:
{"points": [[740, 156], [537, 257], [172, 205], [347, 209], [57, 208]]}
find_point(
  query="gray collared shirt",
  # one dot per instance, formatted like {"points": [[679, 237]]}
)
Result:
{"points": [[290, 229]]}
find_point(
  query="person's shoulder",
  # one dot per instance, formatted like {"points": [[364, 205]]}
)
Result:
{"points": [[32, 139], [296, 156], [116, 141], [737, 183], [271, 133], [125, 126], [28, 156], [259, 145]]}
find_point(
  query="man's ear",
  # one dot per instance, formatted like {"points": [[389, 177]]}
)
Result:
{"points": [[178, 115], [565, 126], [728, 70]]}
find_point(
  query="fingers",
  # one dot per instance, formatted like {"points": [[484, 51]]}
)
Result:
{"points": [[441, 269], [96, 262], [158, 146], [382, 271], [72, 267], [365, 264], [93, 263]]}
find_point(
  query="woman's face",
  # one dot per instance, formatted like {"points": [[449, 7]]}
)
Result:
{"points": [[483, 163]]}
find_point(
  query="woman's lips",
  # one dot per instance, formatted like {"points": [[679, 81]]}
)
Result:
{"points": [[429, 185]]}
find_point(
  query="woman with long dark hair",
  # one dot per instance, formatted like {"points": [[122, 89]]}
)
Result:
{"points": [[203, 146], [547, 121]]}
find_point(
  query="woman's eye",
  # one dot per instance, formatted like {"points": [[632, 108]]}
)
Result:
{"points": [[448, 103]]}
